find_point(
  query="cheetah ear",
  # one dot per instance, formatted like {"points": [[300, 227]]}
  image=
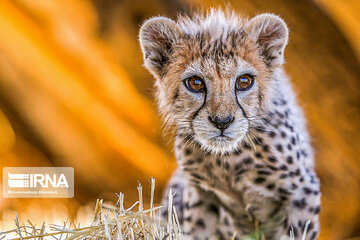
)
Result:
{"points": [[157, 36], [271, 34]]}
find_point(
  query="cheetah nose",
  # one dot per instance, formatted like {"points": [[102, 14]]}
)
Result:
{"points": [[221, 123]]}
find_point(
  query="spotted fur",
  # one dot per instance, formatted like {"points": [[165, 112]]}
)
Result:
{"points": [[258, 173]]}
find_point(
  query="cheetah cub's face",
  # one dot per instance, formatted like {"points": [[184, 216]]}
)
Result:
{"points": [[214, 73]]}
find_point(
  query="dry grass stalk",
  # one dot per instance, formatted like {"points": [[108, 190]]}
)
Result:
{"points": [[110, 222], [114, 222]]}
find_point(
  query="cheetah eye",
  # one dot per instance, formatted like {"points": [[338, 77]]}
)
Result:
{"points": [[194, 84], [244, 82]]}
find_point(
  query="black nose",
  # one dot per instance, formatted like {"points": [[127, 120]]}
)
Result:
{"points": [[221, 123]]}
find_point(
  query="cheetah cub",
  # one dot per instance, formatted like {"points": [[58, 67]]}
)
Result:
{"points": [[245, 161]]}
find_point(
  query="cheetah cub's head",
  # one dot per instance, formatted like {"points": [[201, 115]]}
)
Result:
{"points": [[214, 73]]}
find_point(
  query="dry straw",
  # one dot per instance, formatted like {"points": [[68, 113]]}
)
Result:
{"points": [[110, 222], [114, 222]]}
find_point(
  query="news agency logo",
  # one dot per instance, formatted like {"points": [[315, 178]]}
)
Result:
{"points": [[41, 182], [33, 180]]}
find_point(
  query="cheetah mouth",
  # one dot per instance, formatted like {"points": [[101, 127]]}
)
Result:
{"points": [[221, 141], [220, 144], [221, 137]]}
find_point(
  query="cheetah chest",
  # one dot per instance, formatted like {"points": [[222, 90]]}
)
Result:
{"points": [[233, 186]]}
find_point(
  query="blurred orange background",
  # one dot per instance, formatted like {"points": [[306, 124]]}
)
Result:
{"points": [[73, 92]]}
